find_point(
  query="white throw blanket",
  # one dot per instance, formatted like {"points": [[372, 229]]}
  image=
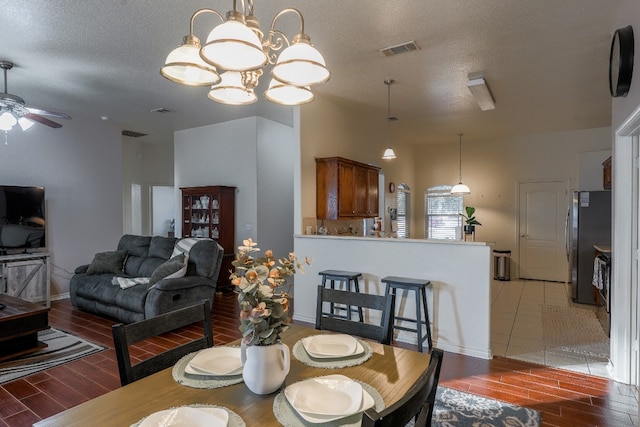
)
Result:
{"points": [[127, 282], [599, 276]]}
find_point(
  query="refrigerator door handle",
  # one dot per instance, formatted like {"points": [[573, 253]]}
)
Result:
{"points": [[566, 232]]}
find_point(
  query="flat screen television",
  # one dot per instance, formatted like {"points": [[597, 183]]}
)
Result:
{"points": [[22, 219]]}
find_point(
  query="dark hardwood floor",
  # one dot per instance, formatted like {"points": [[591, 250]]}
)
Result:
{"points": [[564, 398]]}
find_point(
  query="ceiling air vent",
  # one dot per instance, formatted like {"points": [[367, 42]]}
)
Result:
{"points": [[401, 48], [160, 110], [133, 134]]}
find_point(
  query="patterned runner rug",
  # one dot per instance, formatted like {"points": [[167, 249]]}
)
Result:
{"points": [[574, 330], [62, 348], [455, 408]]}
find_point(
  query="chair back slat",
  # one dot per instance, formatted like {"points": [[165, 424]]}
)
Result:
{"points": [[417, 404], [330, 322], [126, 335]]}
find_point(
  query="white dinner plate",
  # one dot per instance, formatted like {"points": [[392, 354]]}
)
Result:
{"points": [[367, 402], [331, 395], [187, 416], [331, 346], [216, 361]]}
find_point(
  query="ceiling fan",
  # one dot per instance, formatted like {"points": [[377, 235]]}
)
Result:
{"points": [[13, 109]]}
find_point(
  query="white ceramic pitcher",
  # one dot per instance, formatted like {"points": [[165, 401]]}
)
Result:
{"points": [[265, 367]]}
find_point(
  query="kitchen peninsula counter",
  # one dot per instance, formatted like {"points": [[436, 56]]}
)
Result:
{"points": [[460, 274]]}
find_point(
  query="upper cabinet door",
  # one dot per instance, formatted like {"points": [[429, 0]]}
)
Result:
{"points": [[346, 189]]}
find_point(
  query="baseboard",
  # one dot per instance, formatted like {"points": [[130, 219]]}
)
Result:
{"points": [[60, 296]]}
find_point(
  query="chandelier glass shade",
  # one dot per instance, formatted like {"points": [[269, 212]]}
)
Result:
{"points": [[282, 93], [184, 65], [460, 188], [238, 45], [232, 91]]}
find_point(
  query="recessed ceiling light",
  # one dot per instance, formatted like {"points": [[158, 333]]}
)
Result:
{"points": [[104, 117]]}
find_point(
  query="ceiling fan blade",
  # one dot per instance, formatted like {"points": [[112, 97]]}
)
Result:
{"points": [[38, 118], [48, 113]]}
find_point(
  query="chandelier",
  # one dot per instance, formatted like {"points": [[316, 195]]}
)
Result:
{"points": [[235, 53]]}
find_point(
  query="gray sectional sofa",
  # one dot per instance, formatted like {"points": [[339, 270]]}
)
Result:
{"points": [[92, 287]]}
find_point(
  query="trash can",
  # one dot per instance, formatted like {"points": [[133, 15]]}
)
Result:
{"points": [[501, 265]]}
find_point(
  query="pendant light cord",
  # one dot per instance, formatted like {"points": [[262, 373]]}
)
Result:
{"points": [[388, 83], [460, 168]]}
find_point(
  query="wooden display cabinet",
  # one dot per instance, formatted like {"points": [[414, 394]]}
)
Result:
{"points": [[606, 174], [346, 189], [210, 212]]}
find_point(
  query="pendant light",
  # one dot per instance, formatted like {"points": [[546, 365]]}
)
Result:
{"points": [[388, 153], [460, 188]]}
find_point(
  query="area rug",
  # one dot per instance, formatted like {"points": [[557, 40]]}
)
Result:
{"points": [[574, 330], [455, 408], [62, 348]]}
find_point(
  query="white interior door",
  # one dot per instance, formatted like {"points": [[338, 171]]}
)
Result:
{"points": [[542, 242]]}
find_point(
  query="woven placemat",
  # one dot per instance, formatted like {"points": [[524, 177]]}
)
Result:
{"points": [[288, 417], [200, 381], [301, 354], [235, 420]]}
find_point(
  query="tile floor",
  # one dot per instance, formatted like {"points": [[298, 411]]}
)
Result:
{"points": [[517, 325]]}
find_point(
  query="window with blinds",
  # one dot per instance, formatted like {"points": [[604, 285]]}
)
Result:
{"points": [[404, 207], [442, 213]]}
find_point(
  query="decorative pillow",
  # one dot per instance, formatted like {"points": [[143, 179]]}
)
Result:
{"points": [[183, 246], [172, 268], [107, 262]]}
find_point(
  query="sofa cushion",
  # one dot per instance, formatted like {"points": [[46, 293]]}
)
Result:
{"points": [[107, 262], [205, 259], [172, 268], [137, 248], [161, 247]]}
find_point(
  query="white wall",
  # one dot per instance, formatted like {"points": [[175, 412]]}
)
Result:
{"points": [[625, 332], [458, 298], [80, 166], [492, 170], [146, 163], [275, 187], [255, 156]]}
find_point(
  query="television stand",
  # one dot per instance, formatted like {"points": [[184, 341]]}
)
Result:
{"points": [[26, 276]]}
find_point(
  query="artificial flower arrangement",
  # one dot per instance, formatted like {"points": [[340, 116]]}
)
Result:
{"points": [[258, 281]]}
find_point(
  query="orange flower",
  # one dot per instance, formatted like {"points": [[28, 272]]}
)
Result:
{"points": [[251, 276]]}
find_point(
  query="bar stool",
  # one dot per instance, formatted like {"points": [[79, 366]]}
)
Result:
{"points": [[346, 278], [418, 286]]}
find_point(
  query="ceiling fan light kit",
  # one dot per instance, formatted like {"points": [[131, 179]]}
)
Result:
{"points": [[235, 53], [13, 110]]}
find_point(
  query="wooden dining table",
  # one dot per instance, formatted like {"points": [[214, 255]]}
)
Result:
{"points": [[390, 370]]}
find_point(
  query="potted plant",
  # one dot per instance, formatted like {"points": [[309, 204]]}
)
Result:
{"points": [[470, 220], [264, 309]]}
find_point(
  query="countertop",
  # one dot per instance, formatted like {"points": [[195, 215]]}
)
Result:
{"points": [[603, 249]]}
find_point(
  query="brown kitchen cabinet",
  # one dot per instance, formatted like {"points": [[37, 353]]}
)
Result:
{"points": [[209, 211], [346, 189]]}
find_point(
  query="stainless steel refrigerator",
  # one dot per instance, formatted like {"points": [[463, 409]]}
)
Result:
{"points": [[588, 224]]}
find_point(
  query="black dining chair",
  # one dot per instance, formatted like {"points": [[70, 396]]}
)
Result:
{"points": [[126, 335], [327, 320], [416, 404]]}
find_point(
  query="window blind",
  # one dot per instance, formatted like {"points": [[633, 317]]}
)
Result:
{"points": [[442, 213]]}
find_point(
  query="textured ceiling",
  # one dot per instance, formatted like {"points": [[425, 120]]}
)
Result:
{"points": [[545, 61]]}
